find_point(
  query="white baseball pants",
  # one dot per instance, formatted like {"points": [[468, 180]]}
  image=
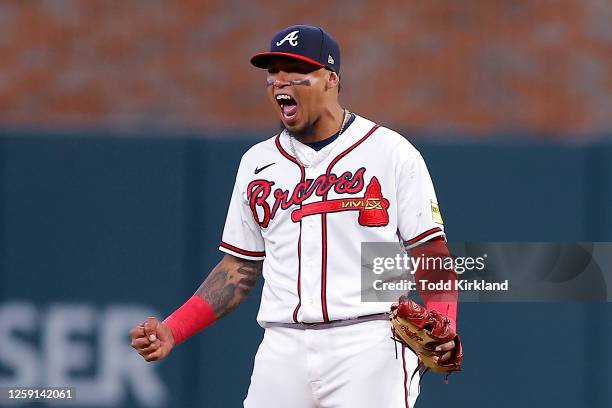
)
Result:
{"points": [[352, 366]]}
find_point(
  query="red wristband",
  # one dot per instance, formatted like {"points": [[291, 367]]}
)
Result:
{"points": [[443, 301], [195, 315]]}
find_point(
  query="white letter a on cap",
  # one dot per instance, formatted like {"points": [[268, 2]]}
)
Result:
{"points": [[292, 37]]}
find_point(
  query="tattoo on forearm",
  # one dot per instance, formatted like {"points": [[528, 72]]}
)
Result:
{"points": [[228, 285]]}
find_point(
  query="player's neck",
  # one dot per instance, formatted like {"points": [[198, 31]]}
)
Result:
{"points": [[327, 125]]}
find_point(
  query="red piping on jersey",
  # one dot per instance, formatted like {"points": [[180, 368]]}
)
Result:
{"points": [[423, 235], [299, 245], [324, 267], [299, 279], [347, 151], [241, 251], [324, 226], [287, 155]]}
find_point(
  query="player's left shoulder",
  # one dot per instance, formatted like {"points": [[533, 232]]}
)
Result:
{"points": [[388, 141]]}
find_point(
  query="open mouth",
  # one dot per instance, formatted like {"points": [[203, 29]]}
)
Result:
{"points": [[288, 107]]}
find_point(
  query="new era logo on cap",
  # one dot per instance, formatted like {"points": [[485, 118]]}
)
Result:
{"points": [[306, 43]]}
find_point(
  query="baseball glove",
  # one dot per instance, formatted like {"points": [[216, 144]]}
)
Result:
{"points": [[422, 331]]}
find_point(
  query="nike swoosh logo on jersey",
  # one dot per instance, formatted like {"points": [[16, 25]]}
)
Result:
{"points": [[257, 169]]}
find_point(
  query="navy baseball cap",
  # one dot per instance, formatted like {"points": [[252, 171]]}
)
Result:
{"points": [[306, 43]]}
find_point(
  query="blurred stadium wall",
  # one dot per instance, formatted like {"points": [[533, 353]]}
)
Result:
{"points": [[509, 102], [477, 67]]}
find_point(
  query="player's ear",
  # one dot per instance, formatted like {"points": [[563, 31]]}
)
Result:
{"points": [[333, 80]]}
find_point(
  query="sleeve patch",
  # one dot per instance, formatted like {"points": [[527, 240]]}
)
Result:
{"points": [[436, 214]]}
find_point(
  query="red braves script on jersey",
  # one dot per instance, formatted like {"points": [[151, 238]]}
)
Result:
{"points": [[308, 221], [372, 205]]}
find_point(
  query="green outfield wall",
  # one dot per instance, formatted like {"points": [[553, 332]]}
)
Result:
{"points": [[99, 232]]}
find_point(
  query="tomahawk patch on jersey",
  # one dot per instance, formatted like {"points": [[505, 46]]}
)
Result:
{"points": [[308, 223]]}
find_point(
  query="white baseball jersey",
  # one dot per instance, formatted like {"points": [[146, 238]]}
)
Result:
{"points": [[308, 223]]}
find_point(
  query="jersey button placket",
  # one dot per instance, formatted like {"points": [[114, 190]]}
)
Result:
{"points": [[311, 249]]}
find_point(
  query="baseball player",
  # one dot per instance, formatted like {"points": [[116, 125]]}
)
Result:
{"points": [[303, 202]]}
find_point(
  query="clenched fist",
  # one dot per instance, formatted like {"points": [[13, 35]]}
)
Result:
{"points": [[152, 339]]}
